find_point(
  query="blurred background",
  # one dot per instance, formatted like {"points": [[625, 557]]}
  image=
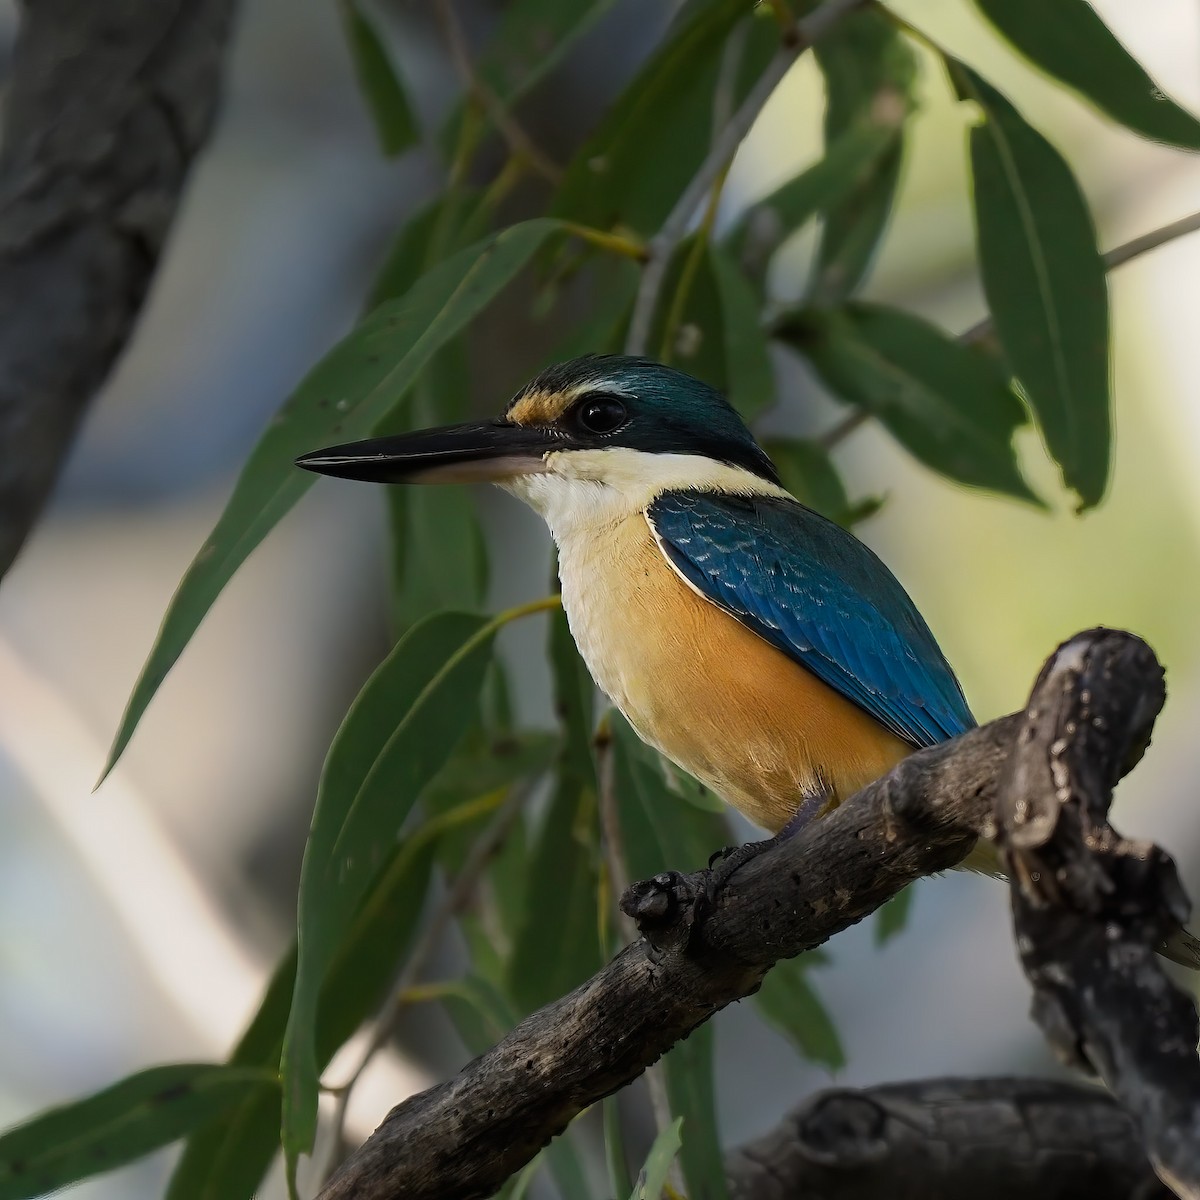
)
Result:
{"points": [[139, 923]]}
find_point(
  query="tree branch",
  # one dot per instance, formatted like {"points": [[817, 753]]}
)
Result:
{"points": [[942, 1139], [464, 1137], [802, 35], [108, 105]]}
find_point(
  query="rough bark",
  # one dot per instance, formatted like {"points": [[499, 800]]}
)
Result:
{"points": [[943, 1139], [107, 106], [1101, 692]]}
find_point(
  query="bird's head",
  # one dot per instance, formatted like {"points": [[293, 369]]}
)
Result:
{"points": [[599, 431]]}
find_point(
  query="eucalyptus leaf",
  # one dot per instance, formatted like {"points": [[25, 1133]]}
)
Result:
{"points": [[396, 736], [652, 1177], [119, 1124], [649, 145], [391, 110], [893, 916], [808, 472], [690, 1072], [363, 379], [787, 1000], [1045, 283], [870, 72], [1068, 40], [950, 405]]}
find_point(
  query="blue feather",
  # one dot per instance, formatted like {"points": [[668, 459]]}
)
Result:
{"points": [[818, 594]]}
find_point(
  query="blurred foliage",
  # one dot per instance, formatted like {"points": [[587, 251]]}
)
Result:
{"points": [[429, 795]]}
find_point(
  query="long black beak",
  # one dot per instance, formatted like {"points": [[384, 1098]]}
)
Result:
{"points": [[482, 451]]}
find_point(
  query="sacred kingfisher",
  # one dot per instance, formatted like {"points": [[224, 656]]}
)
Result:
{"points": [[761, 647]]}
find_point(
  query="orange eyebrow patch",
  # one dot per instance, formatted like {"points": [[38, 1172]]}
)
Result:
{"points": [[541, 408]]}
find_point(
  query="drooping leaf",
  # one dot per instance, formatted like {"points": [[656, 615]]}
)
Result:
{"points": [[788, 1002], [531, 39], [574, 701], [117, 1125], [556, 946], [451, 220], [396, 736], [362, 379], [749, 378], [653, 1175], [619, 1182], [893, 916], [390, 108], [226, 1158], [649, 145], [1044, 281], [691, 1089], [869, 71], [1068, 40], [808, 473], [950, 405], [659, 830], [850, 162], [709, 324]]}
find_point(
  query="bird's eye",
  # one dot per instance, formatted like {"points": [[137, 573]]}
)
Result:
{"points": [[601, 414]]}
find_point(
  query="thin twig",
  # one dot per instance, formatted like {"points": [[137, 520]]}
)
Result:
{"points": [[725, 145], [1116, 257], [509, 128], [477, 859]]}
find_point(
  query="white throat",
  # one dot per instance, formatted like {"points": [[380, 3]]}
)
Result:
{"points": [[583, 492]]}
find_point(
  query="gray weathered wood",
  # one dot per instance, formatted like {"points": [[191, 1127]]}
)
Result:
{"points": [[107, 106]]}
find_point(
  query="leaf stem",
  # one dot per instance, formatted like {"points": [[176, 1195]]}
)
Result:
{"points": [[806, 33], [519, 141], [615, 243]]}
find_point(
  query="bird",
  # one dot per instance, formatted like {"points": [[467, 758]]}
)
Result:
{"points": [[758, 645]]}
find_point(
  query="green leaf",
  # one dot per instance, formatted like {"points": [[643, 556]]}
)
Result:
{"points": [[893, 916], [691, 1089], [439, 559], [533, 37], [659, 831], [653, 1176], [649, 145], [1044, 281], [788, 1002], [117, 1125], [391, 111], [850, 163], [1068, 40], [619, 1183], [950, 405], [365, 377], [397, 734], [869, 71], [451, 220], [574, 701], [556, 946], [749, 378], [808, 473], [227, 1158]]}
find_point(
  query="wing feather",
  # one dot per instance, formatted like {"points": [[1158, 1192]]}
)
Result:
{"points": [[818, 594]]}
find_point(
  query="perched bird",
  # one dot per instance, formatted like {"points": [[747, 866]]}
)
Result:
{"points": [[759, 646]]}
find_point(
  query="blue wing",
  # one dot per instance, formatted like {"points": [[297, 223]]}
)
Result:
{"points": [[818, 594]]}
